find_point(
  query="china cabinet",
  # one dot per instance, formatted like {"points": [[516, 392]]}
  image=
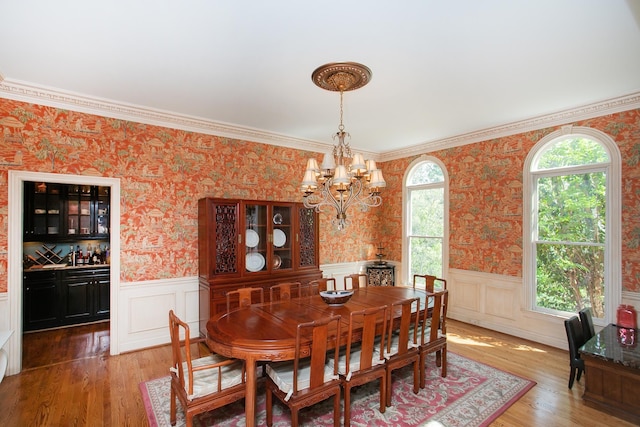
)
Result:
{"points": [[254, 243]]}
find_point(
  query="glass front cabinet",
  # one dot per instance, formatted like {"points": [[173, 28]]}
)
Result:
{"points": [[253, 243]]}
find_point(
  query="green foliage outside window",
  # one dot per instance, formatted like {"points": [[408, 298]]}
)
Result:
{"points": [[426, 219], [571, 228]]}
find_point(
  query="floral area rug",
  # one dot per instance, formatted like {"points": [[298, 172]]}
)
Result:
{"points": [[472, 394]]}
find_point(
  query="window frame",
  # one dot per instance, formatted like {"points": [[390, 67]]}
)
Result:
{"points": [[406, 212], [613, 246]]}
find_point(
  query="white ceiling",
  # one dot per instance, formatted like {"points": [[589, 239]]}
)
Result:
{"points": [[440, 68]]}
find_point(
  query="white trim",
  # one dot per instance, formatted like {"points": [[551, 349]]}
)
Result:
{"points": [[14, 259], [404, 270], [613, 249]]}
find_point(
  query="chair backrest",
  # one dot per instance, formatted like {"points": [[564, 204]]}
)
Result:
{"points": [[430, 282], [321, 285], [434, 320], [325, 335], [181, 349], [355, 281], [406, 328], [369, 320], [587, 323], [285, 291], [244, 297], [575, 336]]}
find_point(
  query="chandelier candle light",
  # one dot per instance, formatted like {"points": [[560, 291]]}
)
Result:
{"points": [[338, 183]]}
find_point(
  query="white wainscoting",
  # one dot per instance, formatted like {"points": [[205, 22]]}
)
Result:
{"points": [[497, 302], [489, 300], [144, 311]]}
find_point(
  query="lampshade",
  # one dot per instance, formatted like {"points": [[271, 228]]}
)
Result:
{"points": [[377, 180], [328, 162], [357, 163], [309, 180], [341, 176], [312, 165]]}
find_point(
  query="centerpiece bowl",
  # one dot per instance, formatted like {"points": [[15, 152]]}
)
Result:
{"points": [[336, 298]]}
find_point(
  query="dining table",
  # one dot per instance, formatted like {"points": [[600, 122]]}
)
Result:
{"points": [[267, 331]]}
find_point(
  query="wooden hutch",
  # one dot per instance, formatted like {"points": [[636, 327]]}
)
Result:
{"points": [[250, 243]]}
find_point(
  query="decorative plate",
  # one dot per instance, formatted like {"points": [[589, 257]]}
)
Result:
{"points": [[279, 238], [252, 238], [277, 219], [277, 262], [254, 261]]}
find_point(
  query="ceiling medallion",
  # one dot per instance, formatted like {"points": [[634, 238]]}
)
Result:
{"points": [[341, 76]]}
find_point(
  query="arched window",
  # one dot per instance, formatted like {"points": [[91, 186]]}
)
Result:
{"points": [[426, 213], [572, 236]]}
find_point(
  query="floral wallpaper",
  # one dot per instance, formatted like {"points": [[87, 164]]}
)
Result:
{"points": [[164, 172], [485, 191]]}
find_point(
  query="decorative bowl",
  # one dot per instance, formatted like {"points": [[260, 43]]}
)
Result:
{"points": [[335, 298]]}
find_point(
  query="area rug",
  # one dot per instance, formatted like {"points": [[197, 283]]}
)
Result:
{"points": [[472, 394]]}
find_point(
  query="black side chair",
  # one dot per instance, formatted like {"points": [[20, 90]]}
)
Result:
{"points": [[575, 336], [587, 323]]}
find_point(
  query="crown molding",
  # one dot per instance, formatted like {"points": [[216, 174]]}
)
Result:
{"points": [[25, 92], [22, 91], [610, 106]]}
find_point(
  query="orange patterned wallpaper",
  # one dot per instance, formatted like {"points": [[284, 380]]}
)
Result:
{"points": [[486, 199], [165, 171]]}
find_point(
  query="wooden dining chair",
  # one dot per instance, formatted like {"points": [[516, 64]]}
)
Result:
{"points": [[200, 384], [309, 378], [402, 343], [244, 297], [363, 361], [285, 291], [321, 285], [355, 281], [430, 282], [433, 333]]}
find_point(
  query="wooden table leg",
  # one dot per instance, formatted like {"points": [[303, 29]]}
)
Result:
{"points": [[250, 393]]}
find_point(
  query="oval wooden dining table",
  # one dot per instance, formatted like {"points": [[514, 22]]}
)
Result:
{"points": [[267, 332]]}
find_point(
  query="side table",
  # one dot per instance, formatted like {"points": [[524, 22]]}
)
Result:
{"points": [[381, 274]]}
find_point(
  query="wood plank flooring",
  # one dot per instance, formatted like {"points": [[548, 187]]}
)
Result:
{"points": [[66, 386]]}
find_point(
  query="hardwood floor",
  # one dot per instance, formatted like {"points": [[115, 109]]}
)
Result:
{"points": [[91, 388]]}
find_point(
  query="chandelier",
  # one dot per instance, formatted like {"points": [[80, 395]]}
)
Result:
{"points": [[344, 179]]}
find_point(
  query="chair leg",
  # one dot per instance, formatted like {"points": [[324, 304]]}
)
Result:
{"points": [[388, 380], [269, 406], [423, 369], [294, 417], [172, 413], [579, 374], [572, 376], [383, 394], [444, 362], [347, 405], [416, 377], [336, 410]]}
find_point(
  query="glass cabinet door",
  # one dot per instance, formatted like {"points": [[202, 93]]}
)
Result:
{"points": [[79, 210], [256, 238], [46, 209], [282, 239]]}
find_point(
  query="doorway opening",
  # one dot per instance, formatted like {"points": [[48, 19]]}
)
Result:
{"points": [[15, 254]]}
